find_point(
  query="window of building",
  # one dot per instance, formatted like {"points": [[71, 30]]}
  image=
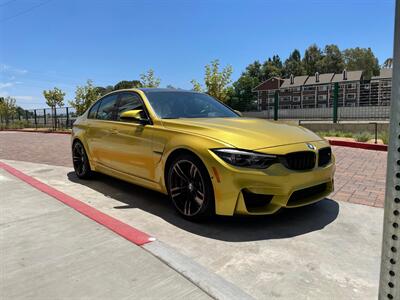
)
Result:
{"points": [[308, 105], [107, 109], [386, 83], [285, 98], [296, 98], [351, 86], [309, 97], [321, 105], [309, 88], [322, 97], [323, 88], [296, 89], [351, 96]]}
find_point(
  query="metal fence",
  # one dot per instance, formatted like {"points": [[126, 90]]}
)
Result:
{"points": [[59, 118], [336, 102]]}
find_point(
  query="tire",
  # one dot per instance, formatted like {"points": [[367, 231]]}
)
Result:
{"points": [[80, 161], [190, 188]]}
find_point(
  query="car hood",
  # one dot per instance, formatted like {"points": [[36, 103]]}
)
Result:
{"points": [[244, 133]]}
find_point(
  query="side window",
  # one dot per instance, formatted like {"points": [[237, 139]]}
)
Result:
{"points": [[93, 111], [107, 108], [130, 101]]}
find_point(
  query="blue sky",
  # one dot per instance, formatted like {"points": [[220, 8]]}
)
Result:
{"points": [[47, 43]]}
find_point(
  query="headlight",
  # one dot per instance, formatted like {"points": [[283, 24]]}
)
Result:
{"points": [[246, 159]]}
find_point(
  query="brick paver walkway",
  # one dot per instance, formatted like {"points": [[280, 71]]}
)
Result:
{"points": [[45, 148], [360, 174]]}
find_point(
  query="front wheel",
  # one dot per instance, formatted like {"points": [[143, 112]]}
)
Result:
{"points": [[190, 188], [80, 161]]}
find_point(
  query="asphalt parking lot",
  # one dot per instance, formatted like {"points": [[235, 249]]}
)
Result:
{"points": [[330, 250]]}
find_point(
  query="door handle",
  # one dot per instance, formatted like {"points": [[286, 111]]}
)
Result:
{"points": [[113, 131]]}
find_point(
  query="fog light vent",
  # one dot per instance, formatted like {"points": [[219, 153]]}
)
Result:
{"points": [[255, 201]]}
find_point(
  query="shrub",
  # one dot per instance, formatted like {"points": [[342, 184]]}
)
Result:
{"points": [[362, 136], [384, 136], [335, 133]]}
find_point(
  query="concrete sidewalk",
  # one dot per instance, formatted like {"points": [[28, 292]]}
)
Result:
{"points": [[330, 250], [50, 251]]}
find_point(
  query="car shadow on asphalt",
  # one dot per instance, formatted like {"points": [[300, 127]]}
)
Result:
{"points": [[285, 224]]}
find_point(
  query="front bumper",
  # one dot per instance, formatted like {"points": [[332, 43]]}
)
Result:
{"points": [[236, 189]]}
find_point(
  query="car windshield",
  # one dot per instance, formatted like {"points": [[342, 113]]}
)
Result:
{"points": [[174, 105]]}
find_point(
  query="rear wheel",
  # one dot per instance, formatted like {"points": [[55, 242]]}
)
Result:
{"points": [[190, 188], [80, 161]]}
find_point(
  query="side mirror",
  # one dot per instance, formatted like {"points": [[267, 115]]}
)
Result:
{"points": [[134, 115], [238, 112]]}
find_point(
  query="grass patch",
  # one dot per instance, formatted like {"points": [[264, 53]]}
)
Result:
{"points": [[384, 136], [362, 136], [335, 133]]}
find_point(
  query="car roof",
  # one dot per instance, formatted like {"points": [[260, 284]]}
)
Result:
{"points": [[156, 90]]}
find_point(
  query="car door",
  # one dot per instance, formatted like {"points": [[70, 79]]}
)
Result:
{"points": [[100, 131], [132, 140]]}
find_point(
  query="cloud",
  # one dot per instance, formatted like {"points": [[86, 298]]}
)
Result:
{"points": [[23, 97], [4, 85], [6, 69], [20, 98]]}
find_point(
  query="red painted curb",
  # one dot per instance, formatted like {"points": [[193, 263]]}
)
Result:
{"points": [[126, 231], [36, 131], [378, 147]]}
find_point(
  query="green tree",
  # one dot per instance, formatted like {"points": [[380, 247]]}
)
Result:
{"points": [[104, 90], [126, 84], [54, 97], [255, 70], [84, 97], [216, 81], [332, 60], [311, 59], [196, 86], [272, 67], [8, 108], [388, 63], [148, 79], [361, 59], [293, 64], [242, 95]]}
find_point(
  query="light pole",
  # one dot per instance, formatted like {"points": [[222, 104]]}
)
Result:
{"points": [[389, 287]]}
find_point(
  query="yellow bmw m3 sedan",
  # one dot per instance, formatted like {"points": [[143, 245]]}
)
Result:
{"points": [[201, 153]]}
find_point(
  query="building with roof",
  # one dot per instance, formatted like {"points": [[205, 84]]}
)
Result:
{"points": [[318, 90], [290, 92], [266, 91], [381, 86]]}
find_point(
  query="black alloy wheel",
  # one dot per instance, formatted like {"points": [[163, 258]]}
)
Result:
{"points": [[80, 161], [190, 188]]}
